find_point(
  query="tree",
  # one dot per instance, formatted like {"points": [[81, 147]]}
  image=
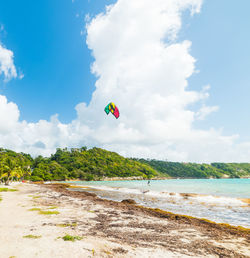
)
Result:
{"points": [[26, 172], [9, 170]]}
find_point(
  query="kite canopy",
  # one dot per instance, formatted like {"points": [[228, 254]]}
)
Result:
{"points": [[111, 107]]}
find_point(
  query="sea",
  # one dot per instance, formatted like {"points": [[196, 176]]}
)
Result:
{"points": [[219, 200]]}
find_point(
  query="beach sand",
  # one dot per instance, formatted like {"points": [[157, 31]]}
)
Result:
{"points": [[107, 228]]}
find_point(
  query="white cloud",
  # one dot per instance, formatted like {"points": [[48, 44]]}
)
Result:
{"points": [[205, 111], [7, 67], [9, 115], [21, 75], [143, 69]]}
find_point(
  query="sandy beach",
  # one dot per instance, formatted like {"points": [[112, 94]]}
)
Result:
{"points": [[104, 228]]}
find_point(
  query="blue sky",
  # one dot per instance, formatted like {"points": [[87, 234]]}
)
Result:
{"points": [[221, 46], [50, 51], [48, 39]]}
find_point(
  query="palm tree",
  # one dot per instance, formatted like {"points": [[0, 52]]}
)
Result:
{"points": [[9, 170], [26, 171]]}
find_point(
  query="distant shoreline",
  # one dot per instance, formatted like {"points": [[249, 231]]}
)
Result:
{"points": [[145, 179]]}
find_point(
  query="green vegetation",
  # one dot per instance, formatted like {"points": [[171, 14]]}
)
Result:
{"points": [[14, 166], [74, 224], [4, 189], [71, 238], [83, 164], [44, 212], [35, 209], [36, 197], [49, 212], [99, 164], [32, 236], [194, 170]]}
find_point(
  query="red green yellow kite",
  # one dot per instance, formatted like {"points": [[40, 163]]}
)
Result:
{"points": [[111, 107]]}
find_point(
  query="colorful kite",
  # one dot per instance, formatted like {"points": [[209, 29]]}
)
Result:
{"points": [[111, 107]]}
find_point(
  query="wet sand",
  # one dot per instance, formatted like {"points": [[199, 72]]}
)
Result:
{"points": [[107, 228]]}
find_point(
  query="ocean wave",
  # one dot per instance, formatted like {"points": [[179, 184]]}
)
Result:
{"points": [[190, 197]]}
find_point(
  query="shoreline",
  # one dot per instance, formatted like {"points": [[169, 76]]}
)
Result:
{"points": [[154, 178], [184, 195], [215, 208], [158, 212], [105, 228]]}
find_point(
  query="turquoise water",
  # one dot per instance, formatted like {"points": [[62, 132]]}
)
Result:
{"points": [[238, 188], [216, 199]]}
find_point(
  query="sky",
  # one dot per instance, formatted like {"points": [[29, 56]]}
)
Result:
{"points": [[178, 70]]}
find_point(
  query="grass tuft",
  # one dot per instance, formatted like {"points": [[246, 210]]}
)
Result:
{"points": [[52, 207], [49, 212], [71, 238], [5, 189], [67, 225], [35, 209], [32, 236], [36, 197]]}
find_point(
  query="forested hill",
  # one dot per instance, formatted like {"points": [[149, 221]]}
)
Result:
{"points": [[92, 164], [194, 170], [98, 164]]}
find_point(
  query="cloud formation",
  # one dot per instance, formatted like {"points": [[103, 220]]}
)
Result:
{"points": [[140, 66], [7, 67]]}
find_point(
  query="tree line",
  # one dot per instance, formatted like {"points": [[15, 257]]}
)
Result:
{"points": [[195, 170], [67, 164], [97, 164]]}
